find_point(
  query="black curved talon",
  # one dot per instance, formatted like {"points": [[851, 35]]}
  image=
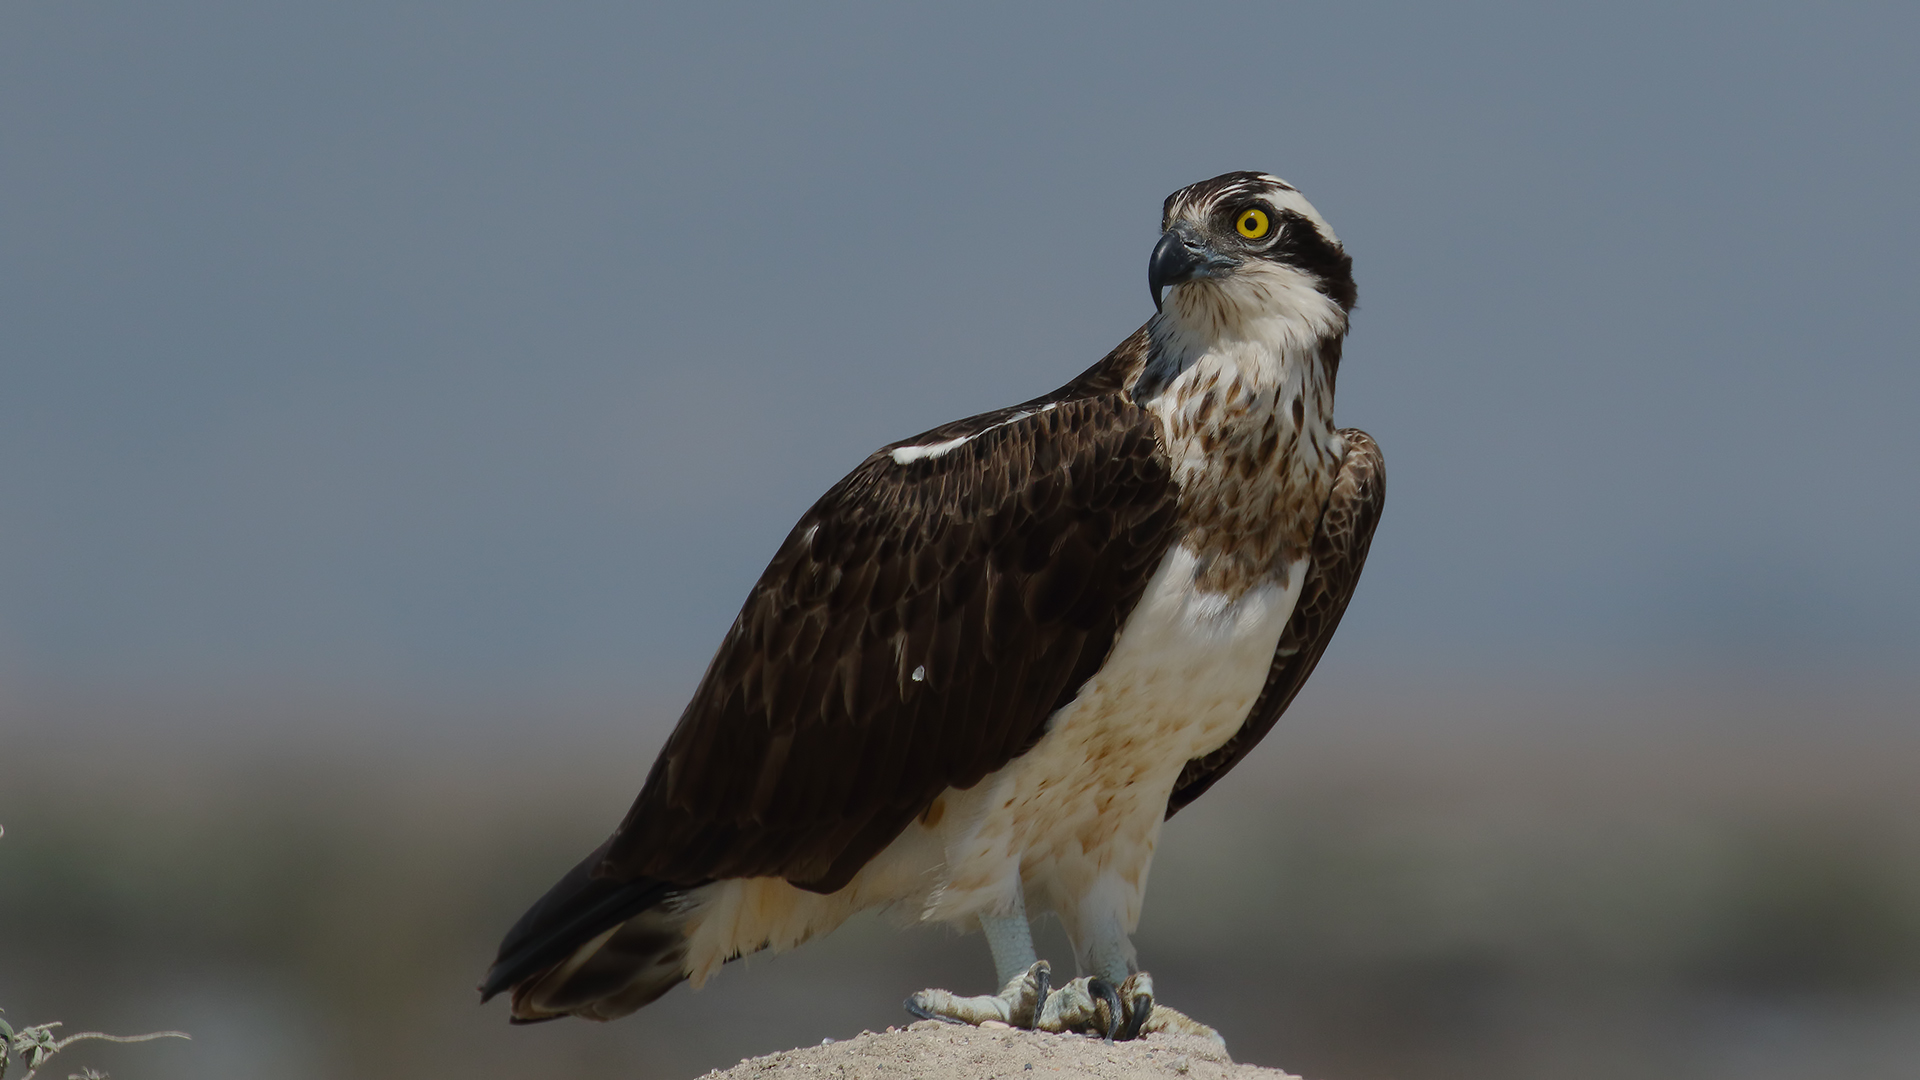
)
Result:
{"points": [[1104, 991], [1041, 984], [1137, 1019]]}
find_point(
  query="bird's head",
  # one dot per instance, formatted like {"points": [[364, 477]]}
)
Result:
{"points": [[1243, 249]]}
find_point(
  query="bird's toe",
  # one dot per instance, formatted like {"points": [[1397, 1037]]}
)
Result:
{"points": [[1146, 1016], [1017, 1004], [1085, 1006], [1136, 1001]]}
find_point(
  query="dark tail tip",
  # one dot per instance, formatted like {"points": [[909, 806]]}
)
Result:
{"points": [[579, 908]]}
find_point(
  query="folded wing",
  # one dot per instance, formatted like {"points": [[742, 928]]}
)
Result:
{"points": [[913, 633]]}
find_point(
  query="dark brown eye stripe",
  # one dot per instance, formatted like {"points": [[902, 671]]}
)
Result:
{"points": [[1298, 243]]}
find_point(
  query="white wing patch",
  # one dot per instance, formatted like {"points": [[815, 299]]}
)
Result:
{"points": [[907, 455]]}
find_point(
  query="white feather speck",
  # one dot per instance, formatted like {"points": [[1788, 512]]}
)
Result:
{"points": [[907, 455]]}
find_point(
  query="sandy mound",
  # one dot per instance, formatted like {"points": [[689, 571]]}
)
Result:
{"points": [[929, 1050]]}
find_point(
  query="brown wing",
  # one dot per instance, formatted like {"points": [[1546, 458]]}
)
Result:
{"points": [[1339, 551], [914, 632]]}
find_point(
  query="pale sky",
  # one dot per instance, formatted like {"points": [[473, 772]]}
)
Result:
{"points": [[455, 346]]}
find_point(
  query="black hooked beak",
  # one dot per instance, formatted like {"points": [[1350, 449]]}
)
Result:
{"points": [[1181, 256]]}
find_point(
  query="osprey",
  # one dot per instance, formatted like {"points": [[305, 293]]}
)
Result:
{"points": [[986, 665]]}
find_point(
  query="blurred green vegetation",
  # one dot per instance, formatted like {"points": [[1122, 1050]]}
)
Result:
{"points": [[1478, 886]]}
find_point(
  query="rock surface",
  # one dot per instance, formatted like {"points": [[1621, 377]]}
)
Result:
{"points": [[929, 1050]]}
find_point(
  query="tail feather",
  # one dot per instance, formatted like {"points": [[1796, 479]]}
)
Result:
{"points": [[591, 947]]}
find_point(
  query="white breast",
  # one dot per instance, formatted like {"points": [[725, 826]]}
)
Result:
{"points": [[1076, 818]]}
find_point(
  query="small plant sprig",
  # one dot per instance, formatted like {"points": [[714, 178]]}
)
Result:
{"points": [[37, 1044]]}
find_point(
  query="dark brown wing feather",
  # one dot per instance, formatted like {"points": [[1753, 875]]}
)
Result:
{"points": [[1339, 551], [999, 572]]}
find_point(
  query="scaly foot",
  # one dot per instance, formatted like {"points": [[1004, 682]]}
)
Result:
{"points": [[1017, 1003], [1145, 1016], [1086, 1005]]}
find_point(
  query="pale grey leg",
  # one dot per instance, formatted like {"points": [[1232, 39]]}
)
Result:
{"points": [[1108, 953], [1091, 1003], [1115, 1001], [1024, 979], [1010, 936]]}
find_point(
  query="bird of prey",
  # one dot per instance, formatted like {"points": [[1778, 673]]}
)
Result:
{"points": [[985, 666]]}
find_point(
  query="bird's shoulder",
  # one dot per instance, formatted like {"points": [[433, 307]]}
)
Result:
{"points": [[1088, 431], [913, 633]]}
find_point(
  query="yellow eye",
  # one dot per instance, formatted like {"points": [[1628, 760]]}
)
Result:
{"points": [[1252, 223]]}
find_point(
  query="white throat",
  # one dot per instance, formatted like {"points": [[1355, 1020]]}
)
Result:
{"points": [[1258, 329], [1263, 306], [1240, 378]]}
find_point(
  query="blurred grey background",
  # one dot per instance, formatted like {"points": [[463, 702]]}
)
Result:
{"points": [[396, 401]]}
